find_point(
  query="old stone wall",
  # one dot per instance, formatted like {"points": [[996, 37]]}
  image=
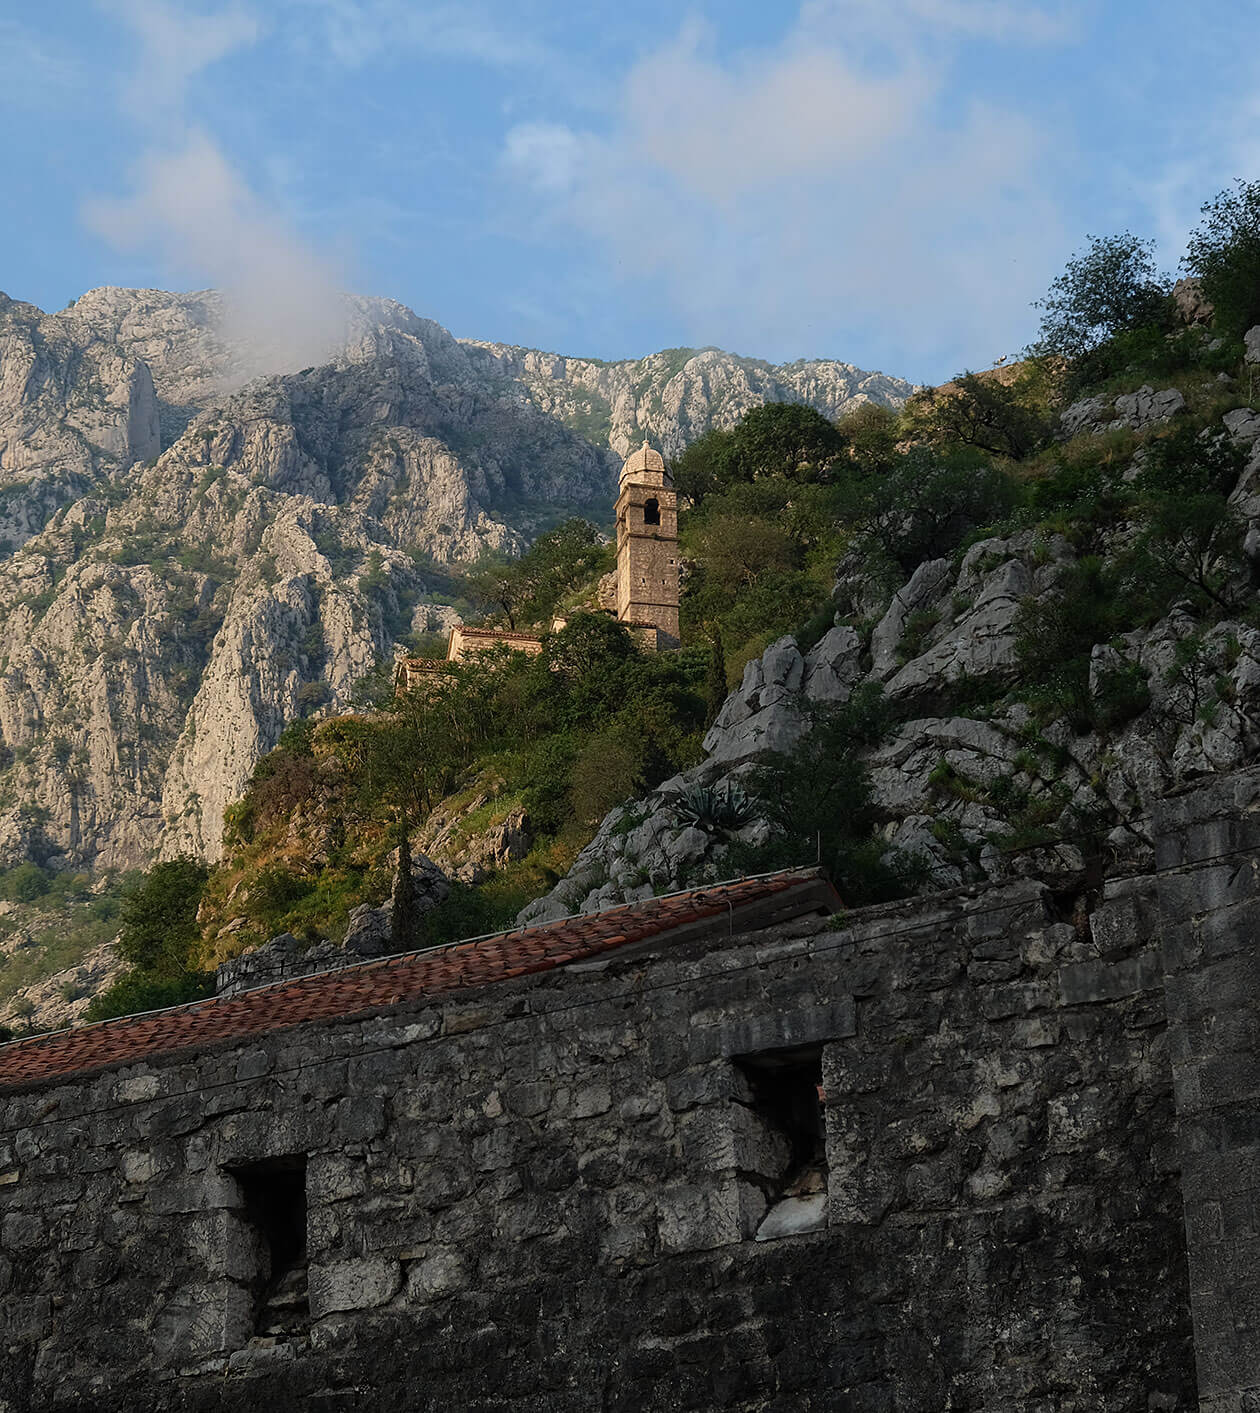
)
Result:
{"points": [[546, 1195], [1209, 902]]}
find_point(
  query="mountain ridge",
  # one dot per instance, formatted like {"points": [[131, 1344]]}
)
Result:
{"points": [[195, 557]]}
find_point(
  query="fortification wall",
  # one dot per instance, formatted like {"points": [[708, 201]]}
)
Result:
{"points": [[546, 1195]]}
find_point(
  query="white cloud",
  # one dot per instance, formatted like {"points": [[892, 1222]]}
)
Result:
{"points": [[283, 310], [195, 208], [175, 45], [786, 196], [354, 32]]}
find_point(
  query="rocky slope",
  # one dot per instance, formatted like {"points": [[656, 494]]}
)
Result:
{"points": [[193, 558], [990, 790]]}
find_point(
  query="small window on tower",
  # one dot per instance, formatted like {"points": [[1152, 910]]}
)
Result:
{"points": [[652, 512]]}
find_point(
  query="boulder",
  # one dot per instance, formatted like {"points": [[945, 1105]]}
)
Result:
{"points": [[1251, 341], [1147, 408], [369, 932], [1193, 307], [926, 586]]}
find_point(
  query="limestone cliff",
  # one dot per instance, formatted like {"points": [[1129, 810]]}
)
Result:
{"points": [[193, 555]]}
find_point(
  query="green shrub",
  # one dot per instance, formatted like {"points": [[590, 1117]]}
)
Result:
{"points": [[1224, 253], [1111, 288], [25, 883]]}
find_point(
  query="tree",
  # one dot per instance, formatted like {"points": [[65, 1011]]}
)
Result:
{"points": [[785, 439], [498, 584], [158, 932], [704, 467], [980, 412], [929, 501], [1111, 287], [715, 676], [1224, 253]]}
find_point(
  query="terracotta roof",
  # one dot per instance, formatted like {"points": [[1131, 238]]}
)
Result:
{"points": [[376, 986]]}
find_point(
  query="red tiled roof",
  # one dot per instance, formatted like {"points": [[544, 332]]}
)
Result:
{"points": [[374, 986]]}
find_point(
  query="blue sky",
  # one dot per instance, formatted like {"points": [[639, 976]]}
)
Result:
{"points": [[885, 181]]}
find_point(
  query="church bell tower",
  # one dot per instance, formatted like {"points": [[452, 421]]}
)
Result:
{"points": [[647, 547]]}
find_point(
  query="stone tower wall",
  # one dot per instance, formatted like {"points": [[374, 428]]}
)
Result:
{"points": [[647, 555]]}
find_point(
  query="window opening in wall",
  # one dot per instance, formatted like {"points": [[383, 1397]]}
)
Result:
{"points": [[786, 1154], [652, 512], [274, 1194]]}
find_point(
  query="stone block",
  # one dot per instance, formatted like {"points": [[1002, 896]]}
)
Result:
{"points": [[1085, 983], [782, 1030], [698, 1218], [440, 1273], [352, 1285]]}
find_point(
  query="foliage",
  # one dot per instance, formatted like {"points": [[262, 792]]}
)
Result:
{"points": [[159, 940], [718, 810], [531, 588], [1224, 253], [1111, 288], [980, 411], [818, 801], [785, 440], [931, 499]]}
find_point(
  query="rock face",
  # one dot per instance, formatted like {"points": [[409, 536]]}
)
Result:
{"points": [[192, 559], [943, 780]]}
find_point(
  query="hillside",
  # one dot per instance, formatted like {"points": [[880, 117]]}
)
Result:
{"points": [[192, 560]]}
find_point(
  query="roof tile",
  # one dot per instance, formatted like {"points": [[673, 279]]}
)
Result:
{"points": [[374, 986]]}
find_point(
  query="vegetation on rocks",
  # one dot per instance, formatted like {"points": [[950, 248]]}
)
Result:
{"points": [[976, 633]]}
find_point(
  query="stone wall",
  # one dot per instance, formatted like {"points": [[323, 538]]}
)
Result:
{"points": [[1208, 851], [547, 1195]]}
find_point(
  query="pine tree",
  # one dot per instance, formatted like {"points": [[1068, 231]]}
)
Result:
{"points": [[405, 920], [715, 677]]}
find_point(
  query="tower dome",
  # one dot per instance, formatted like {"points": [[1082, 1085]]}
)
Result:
{"points": [[645, 464]]}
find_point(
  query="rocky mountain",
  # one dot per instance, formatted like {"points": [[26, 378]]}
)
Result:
{"points": [[194, 556], [973, 781]]}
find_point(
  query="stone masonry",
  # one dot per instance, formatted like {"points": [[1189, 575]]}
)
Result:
{"points": [[1035, 1186]]}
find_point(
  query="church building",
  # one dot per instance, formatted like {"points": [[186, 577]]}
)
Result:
{"points": [[646, 593]]}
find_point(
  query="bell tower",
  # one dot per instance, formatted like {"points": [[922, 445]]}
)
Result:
{"points": [[647, 546]]}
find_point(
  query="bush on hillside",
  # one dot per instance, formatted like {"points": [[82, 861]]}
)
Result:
{"points": [[978, 411], [1224, 254], [159, 940], [1110, 288], [931, 500], [817, 798]]}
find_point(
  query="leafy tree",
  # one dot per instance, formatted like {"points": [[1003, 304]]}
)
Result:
{"points": [[1224, 253], [499, 585], [738, 552], [785, 439], [818, 801], [870, 435], [1111, 287], [25, 883], [981, 412], [704, 467], [158, 932], [930, 500]]}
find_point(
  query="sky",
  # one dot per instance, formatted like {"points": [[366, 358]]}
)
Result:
{"points": [[887, 182]]}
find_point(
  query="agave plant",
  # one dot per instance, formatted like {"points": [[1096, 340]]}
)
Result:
{"points": [[715, 809]]}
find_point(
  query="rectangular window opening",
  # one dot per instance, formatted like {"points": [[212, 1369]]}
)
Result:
{"points": [[786, 1150], [274, 1194]]}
